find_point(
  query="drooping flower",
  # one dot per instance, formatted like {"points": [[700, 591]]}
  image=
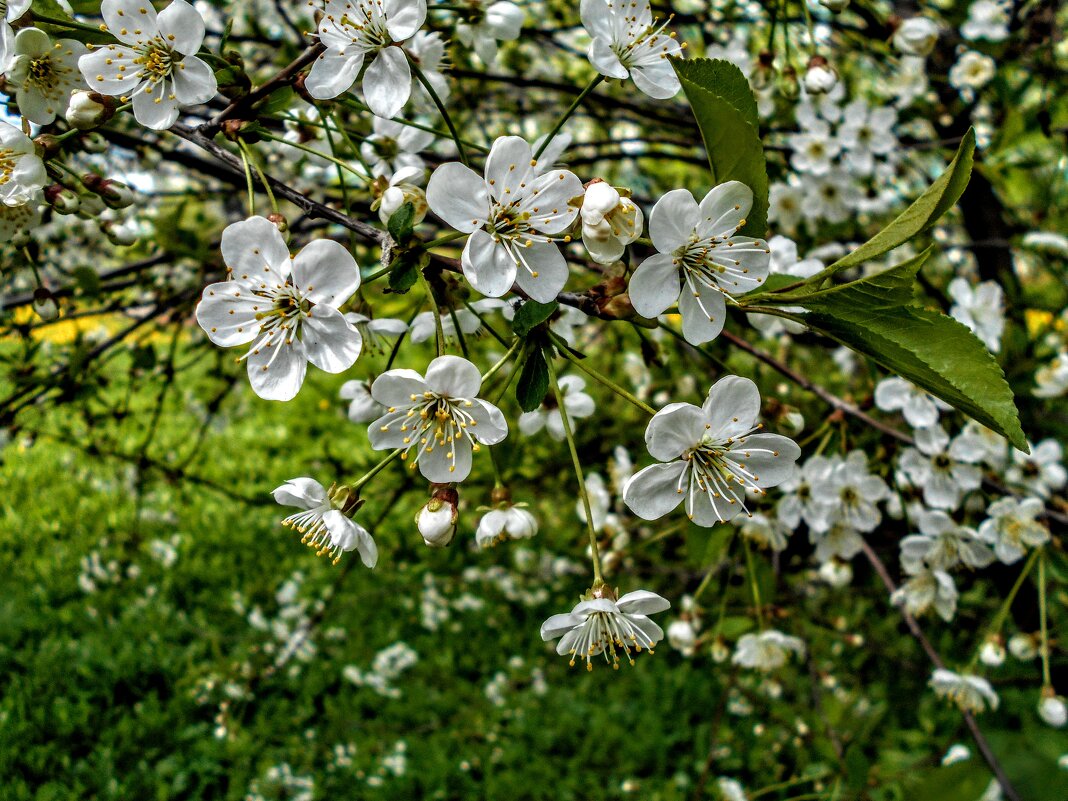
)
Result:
{"points": [[22, 173], [927, 589], [44, 74], [436, 519], [438, 420], [1011, 528], [512, 215], [577, 404], [700, 258], [507, 521], [353, 31], [628, 43], [711, 457], [766, 651], [917, 36], [326, 519], [155, 65], [286, 307], [610, 222], [971, 693], [601, 624]]}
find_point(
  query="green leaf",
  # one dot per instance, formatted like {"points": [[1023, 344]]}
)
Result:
{"points": [[922, 214], [961, 781], [533, 382], [722, 78], [401, 222], [532, 314], [405, 270], [725, 109], [878, 318]]}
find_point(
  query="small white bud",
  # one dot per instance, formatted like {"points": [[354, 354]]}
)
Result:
{"points": [[917, 36], [992, 653], [85, 113], [45, 305], [436, 522], [1053, 710], [820, 77], [682, 636]]}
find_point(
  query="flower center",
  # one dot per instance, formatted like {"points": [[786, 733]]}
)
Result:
{"points": [[7, 164], [435, 421], [367, 28], [157, 60], [611, 634], [716, 467]]}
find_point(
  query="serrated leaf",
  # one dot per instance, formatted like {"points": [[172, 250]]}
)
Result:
{"points": [[725, 109], [532, 314], [723, 78], [401, 222], [922, 214], [877, 317], [405, 271], [533, 384]]}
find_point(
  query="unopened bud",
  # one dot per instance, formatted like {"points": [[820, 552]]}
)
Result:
{"points": [[47, 145], [88, 110], [764, 73], [436, 521], [916, 36], [115, 194], [45, 304], [820, 77], [62, 199], [118, 235], [396, 196], [1052, 708]]}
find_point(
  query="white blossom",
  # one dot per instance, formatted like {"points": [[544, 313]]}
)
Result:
{"points": [[981, 308], [927, 589], [973, 70], [916, 36], [610, 222], [438, 421], [600, 624], [628, 43], [505, 522], [287, 308], [44, 74], [490, 22], [577, 404], [919, 408], [766, 651], [987, 19], [1011, 528], [1039, 473], [512, 216], [701, 258], [324, 520], [971, 693], [944, 471], [943, 544], [355, 31], [22, 173], [710, 457], [156, 64], [393, 146], [1053, 710]]}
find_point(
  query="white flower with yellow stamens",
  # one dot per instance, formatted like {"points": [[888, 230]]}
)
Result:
{"points": [[285, 308], [700, 258], [155, 65], [628, 43], [711, 457], [325, 520], [513, 215], [10, 10], [601, 624], [44, 74], [437, 421], [970, 692]]}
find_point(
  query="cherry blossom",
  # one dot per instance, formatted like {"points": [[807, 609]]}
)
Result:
{"points": [[628, 43]]}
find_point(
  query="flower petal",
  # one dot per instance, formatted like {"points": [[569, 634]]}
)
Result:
{"points": [[544, 271], [227, 313], [731, 407], [181, 25], [255, 250], [488, 266], [655, 285], [395, 388], [387, 83], [276, 372], [675, 429], [326, 272], [673, 219], [653, 492], [458, 195], [332, 73], [453, 377], [331, 342], [724, 209]]}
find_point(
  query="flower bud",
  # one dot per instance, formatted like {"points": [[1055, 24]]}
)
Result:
{"points": [[62, 199], [1052, 709], [396, 196], [436, 521], [916, 36], [835, 6], [600, 199], [1023, 647], [992, 652], [820, 77], [88, 110], [118, 235], [720, 652], [279, 220], [45, 304]]}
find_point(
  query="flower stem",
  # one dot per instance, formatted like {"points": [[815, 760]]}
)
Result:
{"points": [[248, 183], [259, 172], [374, 471], [502, 361], [419, 76], [1003, 611], [439, 331], [751, 570], [599, 378], [1043, 645], [567, 114], [598, 580], [63, 23], [441, 240]]}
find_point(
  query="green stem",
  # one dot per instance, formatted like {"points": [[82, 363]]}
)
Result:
{"points": [[62, 23], [441, 240], [374, 471], [567, 114], [248, 183], [1042, 623], [751, 570], [459, 333], [1003, 612], [441, 108], [502, 361], [314, 152], [263, 178], [598, 580], [439, 331], [599, 378]]}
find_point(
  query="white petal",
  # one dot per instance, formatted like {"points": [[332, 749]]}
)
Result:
{"points": [[655, 285], [182, 26], [227, 313], [732, 406], [605, 61], [326, 272], [194, 82], [307, 493], [701, 321], [545, 272], [453, 377], [332, 343], [332, 73], [642, 602], [396, 387], [277, 372], [653, 492], [156, 108], [446, 462], [673, 430], [673, 219], [658, 80], [387, 83], [487, 265], [131, 21], [458, 196], [507, 166], [724, 208], [254, 248]]}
